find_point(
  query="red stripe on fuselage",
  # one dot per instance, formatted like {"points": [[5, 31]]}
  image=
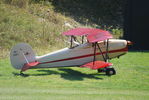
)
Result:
{"points": [[84, 56]]}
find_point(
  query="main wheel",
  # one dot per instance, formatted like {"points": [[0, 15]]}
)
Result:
{"points": [[110, 71]]}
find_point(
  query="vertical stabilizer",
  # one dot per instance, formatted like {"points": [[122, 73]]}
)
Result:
{"points": [[21, 54]]}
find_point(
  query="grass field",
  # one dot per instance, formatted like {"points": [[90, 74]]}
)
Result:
{"points": [[130, 83]]}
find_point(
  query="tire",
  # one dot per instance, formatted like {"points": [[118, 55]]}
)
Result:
{"points": [[110, 71]]}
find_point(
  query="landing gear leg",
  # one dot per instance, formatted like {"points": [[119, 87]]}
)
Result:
{"points": [[21, 73], [110, 71], [100, 70]]}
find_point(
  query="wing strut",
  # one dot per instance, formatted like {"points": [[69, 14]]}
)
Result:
{"points": [[107, 51], [94, 53], [101, 51], [99, 64]]}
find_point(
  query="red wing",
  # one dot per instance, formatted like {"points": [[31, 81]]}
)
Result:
{"points": [[98, 35], [93, 35], [78, 31], [97, 64]]}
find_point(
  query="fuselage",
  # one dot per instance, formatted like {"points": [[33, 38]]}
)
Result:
{"points": [[82, 54]]}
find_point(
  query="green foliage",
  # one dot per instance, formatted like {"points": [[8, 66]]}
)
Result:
{"points": [[102, 12], [131, 81], [39, 22], [18, 3], [117, 33], [37, 25]]}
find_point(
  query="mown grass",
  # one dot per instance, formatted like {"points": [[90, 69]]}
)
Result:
{"points": [[130, 83]]}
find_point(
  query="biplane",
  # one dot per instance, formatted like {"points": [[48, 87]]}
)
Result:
{"points": [[94, 51]]}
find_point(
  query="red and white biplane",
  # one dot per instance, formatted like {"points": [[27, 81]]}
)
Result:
{"points": [[94, 51]]}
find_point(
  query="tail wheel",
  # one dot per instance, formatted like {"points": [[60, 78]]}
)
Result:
{"points": [[110, 71]]}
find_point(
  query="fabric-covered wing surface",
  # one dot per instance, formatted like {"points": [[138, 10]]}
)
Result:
{"points": [[78, 31], [93, 35], [98, 35]]}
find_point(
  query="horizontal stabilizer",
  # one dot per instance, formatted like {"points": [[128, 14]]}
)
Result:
{"points": [[29, 65], [97, 65]]}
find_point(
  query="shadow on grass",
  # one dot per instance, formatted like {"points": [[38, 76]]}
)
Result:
{"points": [[65, 73], [20, 74], [45, 72], [76, 75]]}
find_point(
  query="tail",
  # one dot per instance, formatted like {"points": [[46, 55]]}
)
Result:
{"points": [[22, 57]]}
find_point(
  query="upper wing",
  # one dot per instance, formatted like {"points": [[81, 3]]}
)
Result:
{"points": [[98, 35], [78, 31], [93, 35]]}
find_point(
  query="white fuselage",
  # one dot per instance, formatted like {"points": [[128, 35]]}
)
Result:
{"points": [[81, 54]]}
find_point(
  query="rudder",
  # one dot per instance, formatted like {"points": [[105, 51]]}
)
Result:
{"points": [[21, 54]]}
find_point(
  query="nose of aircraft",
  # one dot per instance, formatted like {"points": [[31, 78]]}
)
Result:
{"points": [[129, 43]]}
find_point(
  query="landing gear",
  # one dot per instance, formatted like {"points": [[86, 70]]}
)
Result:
{"points": [[110, 71], [22, 74], [100, 70]]}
